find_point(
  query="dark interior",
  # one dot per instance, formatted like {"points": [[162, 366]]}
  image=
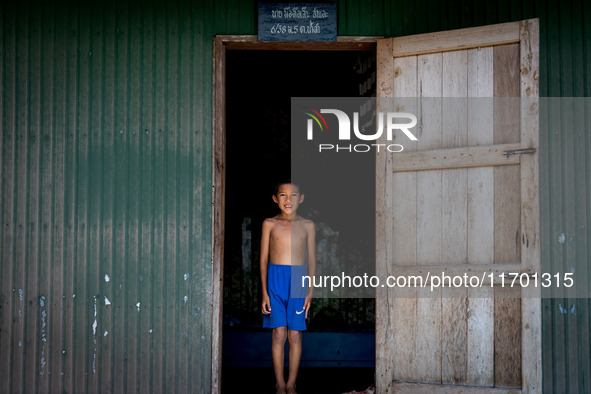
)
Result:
{"points": [[260, 85]]}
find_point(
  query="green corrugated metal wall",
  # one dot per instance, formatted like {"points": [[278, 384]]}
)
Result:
{"points": [[565, 193], [106, 197], [106, 114]]}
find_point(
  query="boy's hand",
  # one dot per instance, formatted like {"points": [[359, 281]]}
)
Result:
{"points": [[307, 305], [266, 305]]}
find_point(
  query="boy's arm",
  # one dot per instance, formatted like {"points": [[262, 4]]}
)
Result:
{"points": [[311, 246], [264, 265]]}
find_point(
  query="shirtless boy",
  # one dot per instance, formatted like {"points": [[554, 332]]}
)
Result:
{"points": [[287, 241]]}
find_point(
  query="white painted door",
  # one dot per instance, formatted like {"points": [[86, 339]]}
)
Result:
{"points": [[453, 203]]}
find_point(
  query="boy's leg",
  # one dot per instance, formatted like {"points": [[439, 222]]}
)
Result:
{"points": [[295, 355], [278, 356]]}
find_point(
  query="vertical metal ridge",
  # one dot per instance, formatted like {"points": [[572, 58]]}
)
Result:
{"points": [[58, 296], [6, 298], [20, 257], [96, 171], [201, 258], [80, 316], [170, 197], [184, 228], [8, 294], [33, 115], [113, 165], [147, 236], [69, 176], [160, 192], [46, 212]]}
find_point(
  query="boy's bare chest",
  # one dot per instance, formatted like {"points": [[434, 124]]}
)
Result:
{"points": [[288, 233]]}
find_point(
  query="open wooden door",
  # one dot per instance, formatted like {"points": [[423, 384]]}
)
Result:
{"points": [[454, 203]]}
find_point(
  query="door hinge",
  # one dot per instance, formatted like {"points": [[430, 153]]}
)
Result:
{"points": [[526, 151]]}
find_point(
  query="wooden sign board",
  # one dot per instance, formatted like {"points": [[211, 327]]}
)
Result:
{"points": [[297, 22]]}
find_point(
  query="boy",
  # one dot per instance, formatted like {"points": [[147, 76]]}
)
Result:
{"points": [[287, 241]]}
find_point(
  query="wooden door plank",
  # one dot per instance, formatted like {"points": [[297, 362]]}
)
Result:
{"points": [[403, 237], [428, 182], [507, 217], [403, 311], [480, 218], [507, 220], [384, 254], [385, 327], [454, 216], [506, 83], [480, 215], [384, 69], [451, 40], [480, 76], [506, 130], [428, 348], [507, 182], [454, 338], [507, 337], [428, 343], [480, 132], [530, 227], [429, 230], [480, 337], [403, 234]]}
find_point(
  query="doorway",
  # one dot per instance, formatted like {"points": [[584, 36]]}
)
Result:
{"points": [[396, 57], [259, 86]]}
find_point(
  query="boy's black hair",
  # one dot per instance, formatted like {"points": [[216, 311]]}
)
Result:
{"points": [[286, 181]]}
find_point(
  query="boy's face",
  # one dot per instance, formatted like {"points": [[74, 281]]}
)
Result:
{"points": [[288, 198]]}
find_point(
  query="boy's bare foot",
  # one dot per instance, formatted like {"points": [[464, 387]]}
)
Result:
{"points": [[291, 390], [280, 389]]}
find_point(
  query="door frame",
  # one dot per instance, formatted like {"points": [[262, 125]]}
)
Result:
{"points": [[531, 303], [221, 44]]}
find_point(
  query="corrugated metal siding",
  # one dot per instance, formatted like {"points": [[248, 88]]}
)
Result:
{"points": [[106, 197], [106, 170], [565, 198]]}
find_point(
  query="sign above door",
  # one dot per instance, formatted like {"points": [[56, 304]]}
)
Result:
{"points": [[297, 22]]}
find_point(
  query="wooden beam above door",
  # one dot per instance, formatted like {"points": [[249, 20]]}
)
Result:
{"points": [[453, 40], [344, 43]]}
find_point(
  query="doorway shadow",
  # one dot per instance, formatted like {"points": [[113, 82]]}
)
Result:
{"points": [[259, 88]]}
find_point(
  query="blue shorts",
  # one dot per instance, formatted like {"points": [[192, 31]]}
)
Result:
{"points": [[287, 295]]}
